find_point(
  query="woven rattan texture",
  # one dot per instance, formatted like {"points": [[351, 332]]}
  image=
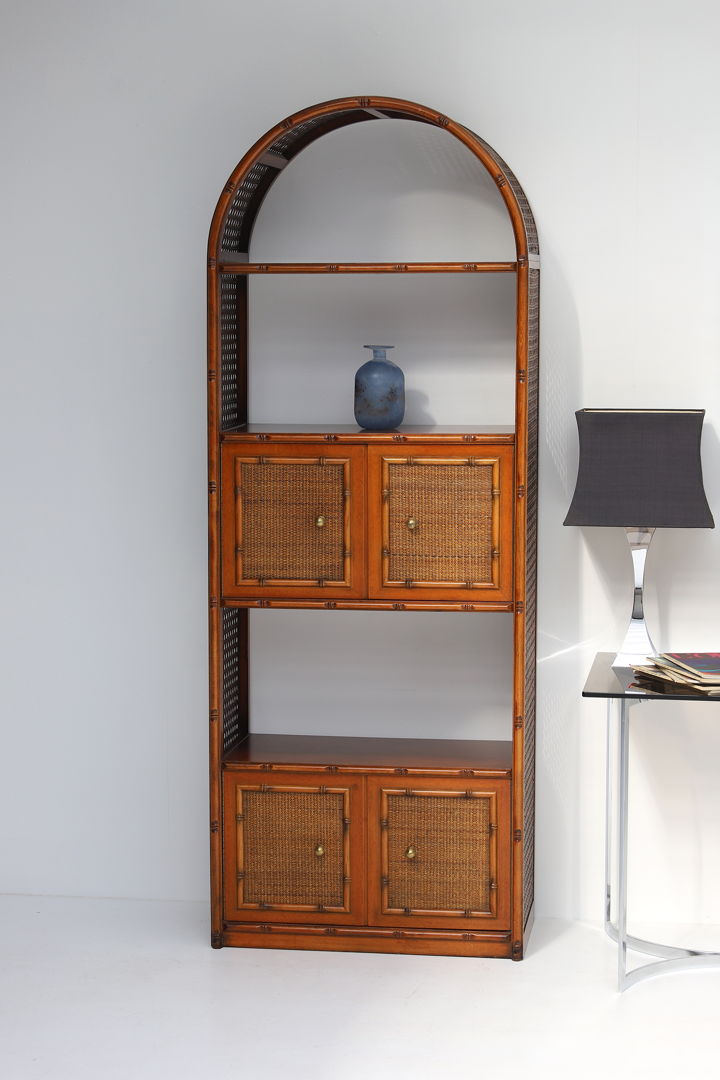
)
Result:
{"points": [[280, 506], [282, 830], [254, 184], [452, 505], [231, 646], [531, 594], [229, 366], [286, 144], [451, 868], [241, 204], [521, 197]]}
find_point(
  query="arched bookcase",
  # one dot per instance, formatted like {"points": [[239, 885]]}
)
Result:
{"points": [[393, 845]]}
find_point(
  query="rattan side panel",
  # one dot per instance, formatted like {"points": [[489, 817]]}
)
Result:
{"points": [[520, 196], [232, 646], [280, 507], [253, 186], [438, 853], [242, 202], [293, 848], [298, 136], [452, 506], [229, 351], [531, 594]]}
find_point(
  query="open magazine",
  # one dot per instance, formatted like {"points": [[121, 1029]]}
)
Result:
{"points": [[680, 673], [704, 667]]}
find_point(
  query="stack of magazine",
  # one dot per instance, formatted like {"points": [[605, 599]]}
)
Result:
{"points": [[685, 673]]}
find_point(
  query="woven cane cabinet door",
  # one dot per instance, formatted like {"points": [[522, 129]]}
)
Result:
{"points": [[441, 522], [324, 517], [293, 521], [436, 853], [291, 853]]}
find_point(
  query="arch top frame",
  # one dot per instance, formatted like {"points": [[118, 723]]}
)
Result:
{"points": [[252, 178]]}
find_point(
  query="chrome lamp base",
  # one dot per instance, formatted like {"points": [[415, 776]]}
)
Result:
{"points": [[637, 646]]}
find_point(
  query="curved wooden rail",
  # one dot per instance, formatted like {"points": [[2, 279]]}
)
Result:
{"points": [[243, 195]]}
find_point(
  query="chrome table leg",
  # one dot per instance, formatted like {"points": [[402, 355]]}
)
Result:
{"points": [[673, 957]]}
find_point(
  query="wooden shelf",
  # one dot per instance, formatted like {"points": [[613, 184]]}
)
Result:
{"points": [[496, 434], [232, 267], [344, 753]]}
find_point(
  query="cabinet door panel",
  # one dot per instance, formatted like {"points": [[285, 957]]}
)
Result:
{"points": [[293, 521], [439, 853], [441, 523], [294, 850]]}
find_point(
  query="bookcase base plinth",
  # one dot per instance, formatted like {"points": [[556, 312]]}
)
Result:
{"points": [[368, 939]]}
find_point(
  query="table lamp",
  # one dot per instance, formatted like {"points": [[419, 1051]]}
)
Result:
{"points": [[639, 469]]}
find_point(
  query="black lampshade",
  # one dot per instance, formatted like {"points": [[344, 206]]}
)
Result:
{"points": [[640, 467]]}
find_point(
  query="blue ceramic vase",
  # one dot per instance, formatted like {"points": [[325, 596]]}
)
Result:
{"points": [[379, 392]]}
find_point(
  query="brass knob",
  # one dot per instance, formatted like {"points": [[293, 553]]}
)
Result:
{"points": [[320, 521], [319, 850], [410, 852], [412, 524]]}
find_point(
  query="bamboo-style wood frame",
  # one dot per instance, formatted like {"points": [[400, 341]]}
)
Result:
{"points": [[351, 460], [257, 170], [368, 268], [353, 795], [240, 578], [240, 790], [385, 914], [495, 591]]}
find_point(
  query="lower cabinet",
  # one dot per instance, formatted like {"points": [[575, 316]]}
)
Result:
{"points": [[294, 848], [415, 857], [435, 859]]}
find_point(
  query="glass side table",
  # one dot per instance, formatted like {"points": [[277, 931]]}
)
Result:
{"points": [[613, 684]]}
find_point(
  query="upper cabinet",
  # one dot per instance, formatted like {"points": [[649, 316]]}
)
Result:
{"points": [[351, 522]]}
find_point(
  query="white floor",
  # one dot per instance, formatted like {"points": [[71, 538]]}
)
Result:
{"points": [[129, 990]]}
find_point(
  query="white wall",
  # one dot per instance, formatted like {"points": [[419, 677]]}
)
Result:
{"points": [[120, 124]]}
